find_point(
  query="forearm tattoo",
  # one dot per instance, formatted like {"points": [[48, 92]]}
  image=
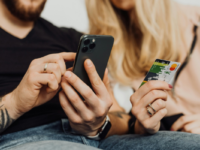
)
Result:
{"points": [[5, 119], [118, 114]]}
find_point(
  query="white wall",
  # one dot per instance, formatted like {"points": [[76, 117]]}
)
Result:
{"points": [[72, 13], [68, 13]]}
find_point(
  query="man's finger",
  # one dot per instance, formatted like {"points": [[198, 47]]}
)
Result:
{"points": [[53, 58], [95, 80], [59, 59], [85, 91], [45, 79], [106, 80], [68, 108], [70, 69], [76, 101], [52, 68], [72, 96], [68, 56]]}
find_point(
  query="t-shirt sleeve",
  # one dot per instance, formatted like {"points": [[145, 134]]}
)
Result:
{"points": [[73, 36]]}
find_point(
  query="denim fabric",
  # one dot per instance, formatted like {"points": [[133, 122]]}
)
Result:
{"points": [[166, 140], [53, 145], [61, 131]]}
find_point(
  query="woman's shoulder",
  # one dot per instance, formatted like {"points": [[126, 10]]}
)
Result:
{"points": [[192, 13], [189, 17]]}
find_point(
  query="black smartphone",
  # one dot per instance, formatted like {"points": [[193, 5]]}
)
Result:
{"points": [[97, 48]]}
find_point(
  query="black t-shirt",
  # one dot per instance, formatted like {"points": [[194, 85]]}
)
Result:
{"points": [[15, 57]]}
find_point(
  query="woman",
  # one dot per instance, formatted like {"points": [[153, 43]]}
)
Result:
{"points": [[147, 30]]}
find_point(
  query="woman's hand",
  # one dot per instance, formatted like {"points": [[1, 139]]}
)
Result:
{"points": [[39, 85], [85, 117], [152, 92], [187, 123]]}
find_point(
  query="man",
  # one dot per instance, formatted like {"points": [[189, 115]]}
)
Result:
{"points": [[33, 53]]}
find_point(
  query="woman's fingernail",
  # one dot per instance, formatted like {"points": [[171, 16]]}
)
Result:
{"points": [[171, 130], [89, 63], [170, 86], [68, 74]]}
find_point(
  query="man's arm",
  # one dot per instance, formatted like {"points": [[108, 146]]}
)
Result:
{"points": [[7, 115], [30, 92], [119, 121], [118, 117]]}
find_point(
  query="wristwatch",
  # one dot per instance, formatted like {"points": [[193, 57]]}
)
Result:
{"points": [[103, 131], [131, 124]]}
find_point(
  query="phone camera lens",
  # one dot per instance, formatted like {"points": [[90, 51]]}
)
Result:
{"points": [[84, 49], [92, 45], [86, 42]]}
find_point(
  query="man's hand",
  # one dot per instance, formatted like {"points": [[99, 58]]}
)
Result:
{"points": [[37, 87], [153, 92], [86, 117], [188, 123]]}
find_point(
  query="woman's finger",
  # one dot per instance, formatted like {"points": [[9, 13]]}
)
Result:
{"points": [[179, 124], [155, 107], [155, 119], [152, 96], [195, 130], [150, 86], [192, 125]]}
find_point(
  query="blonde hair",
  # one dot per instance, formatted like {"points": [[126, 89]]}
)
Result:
{"points": [[152, 32]]}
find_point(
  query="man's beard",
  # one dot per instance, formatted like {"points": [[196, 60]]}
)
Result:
{"points": [[24, 13]]}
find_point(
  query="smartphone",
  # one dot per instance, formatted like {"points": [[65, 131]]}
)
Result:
{"points": [[97, 48]]}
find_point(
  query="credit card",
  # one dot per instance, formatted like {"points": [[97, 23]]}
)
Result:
{"points": [[162, 70]]}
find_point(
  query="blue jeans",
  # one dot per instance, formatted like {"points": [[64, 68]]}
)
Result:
{"points": [[58, 134]]}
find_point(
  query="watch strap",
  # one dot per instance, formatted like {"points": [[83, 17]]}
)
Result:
{"points": [[131, 124], [103, 131]]}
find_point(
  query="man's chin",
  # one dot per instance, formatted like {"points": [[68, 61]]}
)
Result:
{"points": [[22, 12]]}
